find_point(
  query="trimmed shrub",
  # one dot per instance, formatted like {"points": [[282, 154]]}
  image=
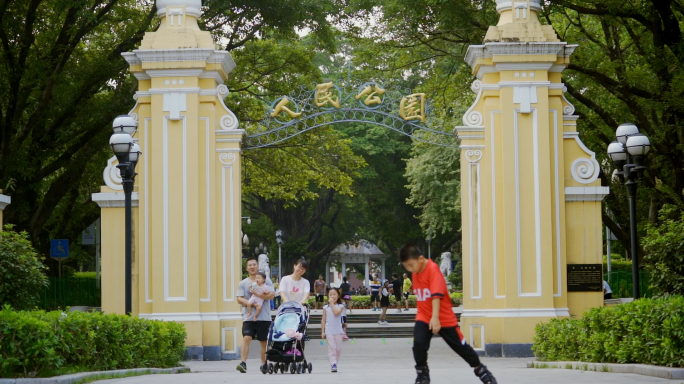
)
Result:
{"points": [[646, 331], [22, 270], [40, 343]]}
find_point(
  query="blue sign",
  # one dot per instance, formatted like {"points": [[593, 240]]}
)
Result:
{"points": [[59, 248]]}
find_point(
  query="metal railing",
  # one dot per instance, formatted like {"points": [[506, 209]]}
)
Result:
{"points": [[621, 283], [70, 292]]}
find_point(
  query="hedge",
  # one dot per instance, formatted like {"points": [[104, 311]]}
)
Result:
{"points": [[365, 301], [40, 344], [646, 331]]}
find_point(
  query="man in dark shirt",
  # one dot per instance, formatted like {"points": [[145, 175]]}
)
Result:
{"points": [[396, 289]]}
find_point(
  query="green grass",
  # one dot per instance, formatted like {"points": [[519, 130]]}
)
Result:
{"points": [[568, 366]]}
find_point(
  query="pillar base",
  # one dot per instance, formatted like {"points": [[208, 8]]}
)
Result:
{"points": [[508, 350]]}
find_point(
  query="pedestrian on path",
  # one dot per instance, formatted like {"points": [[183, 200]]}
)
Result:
{"points": [[407, 290], [396, 290], [319, 288], [384, 302], [607, 292], [331, 327], [345, 291], [435, 316], [344, 323], [375, 292], [295, 287], [254, 328]]}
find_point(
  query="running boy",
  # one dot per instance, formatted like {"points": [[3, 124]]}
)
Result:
{"points": [[435, 316]]}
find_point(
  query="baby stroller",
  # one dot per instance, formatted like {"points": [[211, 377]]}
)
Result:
{"points": [[285, 340]]}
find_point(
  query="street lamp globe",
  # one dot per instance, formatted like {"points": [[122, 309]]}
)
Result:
{"points": [[617, 152], [134, 154], [124, 123], [624, 131], [121, 144], [638, 145]]}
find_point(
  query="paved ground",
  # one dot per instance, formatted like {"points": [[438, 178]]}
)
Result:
{"points": [[371, 360]]}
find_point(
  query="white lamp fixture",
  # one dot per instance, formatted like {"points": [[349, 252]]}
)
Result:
{"points": [[638, 145], [624, 131], [124, 123], [134, 154], [617, 153], [121, 144]]}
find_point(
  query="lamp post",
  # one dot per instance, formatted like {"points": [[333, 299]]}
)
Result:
{"points": [[628, 154], [429, 240], [128, 153], [279, 240]]}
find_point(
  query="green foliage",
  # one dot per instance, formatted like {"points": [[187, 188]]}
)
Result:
{"points": [[22, 270], [664, 246], [456, 276], [646, 331], [41, 343], [617, 263]]}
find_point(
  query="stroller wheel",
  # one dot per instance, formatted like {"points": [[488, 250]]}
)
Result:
{"points": [[310, 367], [304, 366], [299, 368], [293, 368], [270, 368], [282, 368]]}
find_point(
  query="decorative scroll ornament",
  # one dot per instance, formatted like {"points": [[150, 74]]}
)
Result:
{"points": [[585, 170], [227, 158], [319, 105], [111, 175], [473, 118], [568, 109], [473, 156], [227, 121]]}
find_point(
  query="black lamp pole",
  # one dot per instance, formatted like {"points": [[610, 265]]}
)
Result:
{"points": [[631, 185], [128, 153], [127, 171]]}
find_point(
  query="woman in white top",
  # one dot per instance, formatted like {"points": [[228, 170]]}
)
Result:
{"points": [[295, 287]]}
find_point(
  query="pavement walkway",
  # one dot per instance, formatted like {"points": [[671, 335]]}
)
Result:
{"points": [[391, 361]]}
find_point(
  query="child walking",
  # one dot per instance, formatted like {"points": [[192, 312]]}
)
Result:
{"points": [[384, 302], [331, 327], [435, 316]]}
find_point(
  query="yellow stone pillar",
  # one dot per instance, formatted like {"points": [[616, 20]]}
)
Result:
{"points": [[187, 258], [4, 201], [530, 192]]}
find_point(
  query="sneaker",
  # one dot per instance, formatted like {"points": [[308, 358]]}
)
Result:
{"points": [[333, 368], [405, 309], [373, 309], [385, 323], [380, 322], [398, 310], [423, 375], [485, 376], [242, 367], [345, 337]]}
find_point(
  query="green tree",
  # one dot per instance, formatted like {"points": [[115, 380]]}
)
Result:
{"points": [[22, 270], [664, 246]]}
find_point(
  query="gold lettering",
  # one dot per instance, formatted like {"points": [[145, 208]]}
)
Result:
{"points": [[373, 96], [412, 107], [282, 107], [325, 96]]}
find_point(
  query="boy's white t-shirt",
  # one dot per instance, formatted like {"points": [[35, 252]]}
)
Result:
{"points": [[294, 290]]}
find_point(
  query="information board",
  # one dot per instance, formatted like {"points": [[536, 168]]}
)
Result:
{"points": [[585, 278]]}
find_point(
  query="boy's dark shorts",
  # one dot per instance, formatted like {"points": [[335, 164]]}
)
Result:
{"points": [[398, 297], [406, 295], [256, 329], [320, 298], [375, 297]]}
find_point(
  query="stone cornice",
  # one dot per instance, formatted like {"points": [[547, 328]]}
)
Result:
{"points": [[114, 200], [586, 193]]}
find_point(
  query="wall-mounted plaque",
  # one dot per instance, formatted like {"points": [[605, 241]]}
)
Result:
{"points": [[585, 278]]}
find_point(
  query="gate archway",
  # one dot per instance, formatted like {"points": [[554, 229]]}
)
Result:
{"points": [[308, 108]]}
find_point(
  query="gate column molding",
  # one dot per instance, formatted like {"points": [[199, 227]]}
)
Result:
{"points": [[187, 259], [4, 201], [531, 198]]}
